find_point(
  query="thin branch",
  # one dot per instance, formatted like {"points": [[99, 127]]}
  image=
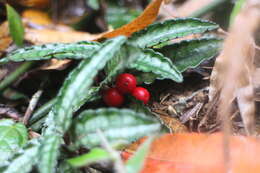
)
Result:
{"points": [[42, 111], [9, 112], [32, 106]]}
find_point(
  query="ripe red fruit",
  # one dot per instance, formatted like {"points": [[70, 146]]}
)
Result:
{"points": [[126, 83], [112, 97], [142, 94]]}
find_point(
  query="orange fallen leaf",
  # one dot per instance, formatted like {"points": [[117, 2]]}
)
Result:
{"points": [[200, 153], [146, 18]]}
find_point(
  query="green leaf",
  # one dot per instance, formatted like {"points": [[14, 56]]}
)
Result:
{"points": [[96, 154], [113, 67], [15, 25], [24, 159], [70, 95], [138, 106], [147, 78], [79, 50], [91, 95], [148, 60], [116, 65], [190, 53], [79, 81], [136, 162], [49, 152], [117, 125], [170, 29], [12, 137]]}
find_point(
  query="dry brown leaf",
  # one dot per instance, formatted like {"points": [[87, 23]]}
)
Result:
{"points": [[146, 18], [49, 32], [36, 17], [5, 39], [53, 36], [48, 35], [4, 30], [55, 64], [233, 69], [43, 36], [198, 153], [41, 30], [5, 43], [173, 124]]}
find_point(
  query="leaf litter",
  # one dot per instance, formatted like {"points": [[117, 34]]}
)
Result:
{"points": [[182, 107]]}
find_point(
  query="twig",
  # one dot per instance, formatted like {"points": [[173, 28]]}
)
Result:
{"points": [[186, 99], [33, 134], [10, 112], [31, 106], [42, 111], [13, 76], [207, 8], [119, 165], [191, 113]]}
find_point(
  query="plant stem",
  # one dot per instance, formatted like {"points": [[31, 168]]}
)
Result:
{"points": [[206, 9], [119, 165], [13, 76]]}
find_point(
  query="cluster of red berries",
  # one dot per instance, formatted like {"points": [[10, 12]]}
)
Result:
{"points": [[125, 84]]}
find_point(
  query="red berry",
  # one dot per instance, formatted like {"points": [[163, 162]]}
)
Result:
{"points": [[142, 94], [112, 97], [126, 83]]}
